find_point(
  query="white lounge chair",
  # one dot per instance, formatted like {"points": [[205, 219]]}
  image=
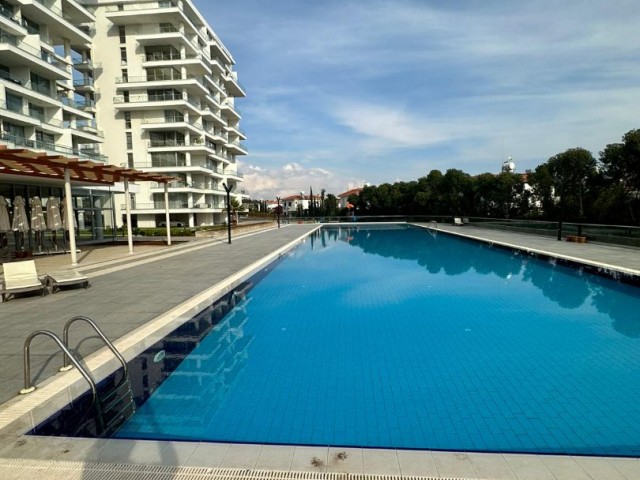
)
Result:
{"points": [[21, 277], [457, 221], [65, 279]]}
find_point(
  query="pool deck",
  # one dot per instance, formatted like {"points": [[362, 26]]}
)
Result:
{"points": [[136, 297]]}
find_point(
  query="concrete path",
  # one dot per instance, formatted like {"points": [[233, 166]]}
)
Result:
{"points": [[623, 259]]}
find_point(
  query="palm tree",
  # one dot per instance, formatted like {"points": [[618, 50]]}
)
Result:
{"points": [[236, 207]]}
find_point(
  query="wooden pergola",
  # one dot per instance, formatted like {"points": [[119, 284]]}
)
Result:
{"points": [[56, 168]]}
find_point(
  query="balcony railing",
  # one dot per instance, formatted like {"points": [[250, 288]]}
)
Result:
{"points": [[143, 6], [84, 82], [162, 57], [43, 145], [88, 63], [150, 98], [79, 104]]}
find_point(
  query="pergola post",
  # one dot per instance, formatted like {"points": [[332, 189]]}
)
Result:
{"points": [[166, 211], [127, 203], [68, 211]]}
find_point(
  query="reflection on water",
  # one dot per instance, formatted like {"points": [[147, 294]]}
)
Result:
{"points": [[568, 287], [206, 363]]}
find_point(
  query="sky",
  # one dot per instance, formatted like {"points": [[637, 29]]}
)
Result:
{"points": [[340, 93]]}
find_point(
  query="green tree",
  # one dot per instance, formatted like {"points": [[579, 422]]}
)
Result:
{"points": [[330, 205], [457, 190], [620, 166], [571, 172]]}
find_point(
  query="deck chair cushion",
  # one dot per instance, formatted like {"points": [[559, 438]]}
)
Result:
{"points": [[21, 277], [66, 278]]}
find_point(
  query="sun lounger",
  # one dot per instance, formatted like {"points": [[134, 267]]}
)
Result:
{"points": [[66, 278], [21, 277], [457, 221]]}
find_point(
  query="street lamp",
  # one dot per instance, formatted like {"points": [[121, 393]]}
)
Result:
{"points": [[278, 211], [228, 190]]}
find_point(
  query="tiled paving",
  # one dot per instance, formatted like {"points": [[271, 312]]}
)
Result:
{"points": [[167, 276]]}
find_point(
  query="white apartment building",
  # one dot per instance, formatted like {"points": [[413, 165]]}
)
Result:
{"points": [[47, 98], [166, 100], [141, 84]]}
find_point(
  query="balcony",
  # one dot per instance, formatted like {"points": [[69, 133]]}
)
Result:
{"points": [[233, 86], [193, 84], [20, 142], [194, 62], [171, 123], [59, 23], [17, 53], [87, 127], [154, 102], [236, 147], [230, 111], [85, 65], [83, 106], [156, 12], [234, 129], [84, 85], [18, 113]]}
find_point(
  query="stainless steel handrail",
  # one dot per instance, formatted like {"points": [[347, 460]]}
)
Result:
{"points": [[65, 337], [28, 388]]}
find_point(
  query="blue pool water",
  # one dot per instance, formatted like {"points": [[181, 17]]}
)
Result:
{"points": [[395, 338]]}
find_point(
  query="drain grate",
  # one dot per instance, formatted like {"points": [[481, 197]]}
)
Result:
{"points": [[19, 469]]}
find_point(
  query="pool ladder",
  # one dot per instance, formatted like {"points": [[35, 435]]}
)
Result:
{"points": [[113, 407]]}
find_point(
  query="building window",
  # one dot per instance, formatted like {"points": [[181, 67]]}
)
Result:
{"points": [[130, 160], [40, 84], [127, 119], [31, 26], [123, 55], [36, 111], [167, 139], [167, 28], [125, 96], [165, 73], [14, 102], [125, 75], [172, 116], [164, 94], [129, 140], [122, 33], [168, 159], [45, 140], [161, 52]]}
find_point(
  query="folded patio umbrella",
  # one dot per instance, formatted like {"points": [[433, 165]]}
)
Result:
{"points": [[5, 223], [20, 220], [54, 220], [38, 223]]}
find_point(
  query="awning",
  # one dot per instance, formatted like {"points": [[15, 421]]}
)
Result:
{"points": [[56, 169], [38, 164]]}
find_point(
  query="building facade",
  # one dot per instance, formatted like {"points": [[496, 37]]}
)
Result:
{"points": [[167, 100], [139, 84]]}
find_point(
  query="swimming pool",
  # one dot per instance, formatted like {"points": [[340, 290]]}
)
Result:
{"points": [[396, 338]]}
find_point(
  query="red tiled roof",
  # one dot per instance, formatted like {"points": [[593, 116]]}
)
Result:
{"points": [[353, 191]]}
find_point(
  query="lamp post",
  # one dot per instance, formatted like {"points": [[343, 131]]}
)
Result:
{"points": [[228, 190], [278, 211]]}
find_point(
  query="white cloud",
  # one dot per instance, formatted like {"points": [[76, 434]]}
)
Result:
{"points": [[386, 89], [290, 178]]}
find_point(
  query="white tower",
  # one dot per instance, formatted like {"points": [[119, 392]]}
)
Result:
{"points": [[508, 165]]}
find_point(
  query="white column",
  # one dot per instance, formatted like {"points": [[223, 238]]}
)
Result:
{"points": [[68, 211], [166, 211], [127, 203]]}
